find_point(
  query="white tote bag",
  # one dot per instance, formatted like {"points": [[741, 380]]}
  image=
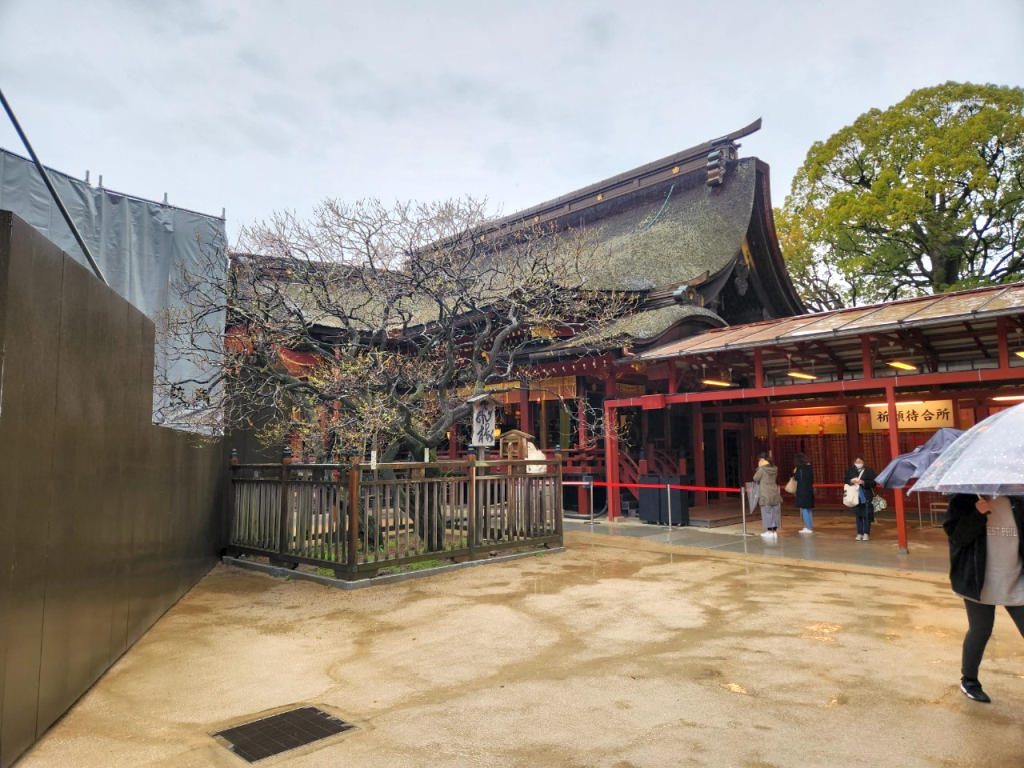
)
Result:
{"points": [[851, 493]]}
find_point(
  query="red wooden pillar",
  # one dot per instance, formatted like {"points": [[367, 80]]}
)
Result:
{"points": [[720, 453], [611, 448], [697, 422], [894, 448], [852, 433], [582, 494], [645, 443], [611, 452]]}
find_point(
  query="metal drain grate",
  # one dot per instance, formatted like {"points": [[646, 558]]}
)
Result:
{"points": [[273, 735]]}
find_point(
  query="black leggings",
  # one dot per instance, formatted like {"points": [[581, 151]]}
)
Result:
{"points": [[980, 618]]}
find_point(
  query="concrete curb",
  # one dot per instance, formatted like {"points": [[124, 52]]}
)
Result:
{"points": [[393, 578]]}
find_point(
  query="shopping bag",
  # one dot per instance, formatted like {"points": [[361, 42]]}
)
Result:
{"points": [[851, 495]]}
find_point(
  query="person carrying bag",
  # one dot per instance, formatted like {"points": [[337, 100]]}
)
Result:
{"points": [[859, 485]]}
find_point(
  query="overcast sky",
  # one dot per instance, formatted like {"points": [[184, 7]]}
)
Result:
{"points": [[262, 105]]}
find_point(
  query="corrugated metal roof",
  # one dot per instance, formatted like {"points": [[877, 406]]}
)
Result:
{"points": [[908, 313]]}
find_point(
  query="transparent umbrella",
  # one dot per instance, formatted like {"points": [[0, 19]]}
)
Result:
{"points": [[987, 459]]}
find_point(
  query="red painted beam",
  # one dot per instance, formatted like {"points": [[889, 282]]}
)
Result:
{"points": [[990, 375]]}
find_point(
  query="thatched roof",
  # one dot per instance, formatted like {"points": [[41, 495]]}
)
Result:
{"points": [[639, 328], [671, 233]]}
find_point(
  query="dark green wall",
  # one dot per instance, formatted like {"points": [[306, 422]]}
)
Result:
{"points": [[105, 519]]}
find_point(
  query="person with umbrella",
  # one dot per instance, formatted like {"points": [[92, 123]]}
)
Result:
{"points": [[862, 476], [986, 568], [986, 548]]}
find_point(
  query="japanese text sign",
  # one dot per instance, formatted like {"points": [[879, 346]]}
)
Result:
{"points": [[932, 414], [483, 423]]}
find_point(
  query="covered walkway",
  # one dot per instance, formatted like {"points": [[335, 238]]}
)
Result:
{"points": [[876, 380]]}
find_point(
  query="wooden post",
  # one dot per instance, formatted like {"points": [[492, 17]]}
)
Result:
{"points": [[557, 511], [894, 448], [471, 512], [542, 429], [699, 477], [282, 533], [720, 452], [758, 368], [865, 357], [525, 422], [232, 505], [582, 494], [611, 452], [1004, 347], [353, 518]]}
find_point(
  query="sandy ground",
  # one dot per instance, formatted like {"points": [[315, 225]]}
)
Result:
{"points": [[618, 653]]}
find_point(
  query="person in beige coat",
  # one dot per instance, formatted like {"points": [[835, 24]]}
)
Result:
{"points": [[770, 497]]}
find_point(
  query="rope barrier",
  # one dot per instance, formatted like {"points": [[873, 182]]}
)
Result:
{"points": [[650, 486]]}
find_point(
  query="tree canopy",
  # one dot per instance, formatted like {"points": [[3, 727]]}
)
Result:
{"points": [[367, 326], [924, 197]]}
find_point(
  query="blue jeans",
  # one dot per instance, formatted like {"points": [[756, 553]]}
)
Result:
{"points": [[863, 519], [808, 519]]}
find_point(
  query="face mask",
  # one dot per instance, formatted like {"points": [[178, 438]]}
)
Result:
{"points": [[859, 465]]}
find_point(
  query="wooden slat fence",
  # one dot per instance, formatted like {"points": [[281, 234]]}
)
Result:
{"points": [[356, 519]]}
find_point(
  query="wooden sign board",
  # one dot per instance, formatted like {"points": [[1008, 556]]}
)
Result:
{"points": [[931, 414], [484, 422]]}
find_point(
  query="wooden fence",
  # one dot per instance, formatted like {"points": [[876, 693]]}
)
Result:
{"points": [[356, 519]]}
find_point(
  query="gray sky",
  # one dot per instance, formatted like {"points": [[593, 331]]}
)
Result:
{"points": [[262, 105]]}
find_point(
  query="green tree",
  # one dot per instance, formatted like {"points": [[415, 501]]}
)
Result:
{"points": [[924, 197]]}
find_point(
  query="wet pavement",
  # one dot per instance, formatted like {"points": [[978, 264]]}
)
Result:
{"points": [[833, 541], [625, 652]]}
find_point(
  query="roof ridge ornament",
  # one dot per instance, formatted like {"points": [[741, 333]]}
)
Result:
{"points": [[723, 151]]}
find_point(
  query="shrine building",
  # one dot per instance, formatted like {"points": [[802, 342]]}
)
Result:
{"points": [[721, 360]]}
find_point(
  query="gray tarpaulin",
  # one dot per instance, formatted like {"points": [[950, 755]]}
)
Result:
{"points": [[138, 244]]}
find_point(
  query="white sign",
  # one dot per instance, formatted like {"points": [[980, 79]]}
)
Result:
{"points": [[927, 415], [483, 424]]}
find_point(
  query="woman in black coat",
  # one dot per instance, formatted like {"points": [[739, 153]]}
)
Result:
{"points": [[863, 476], [986, 568], [804, 476]]}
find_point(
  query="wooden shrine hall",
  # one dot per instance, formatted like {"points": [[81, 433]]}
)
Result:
{"points": [[721, 360]]}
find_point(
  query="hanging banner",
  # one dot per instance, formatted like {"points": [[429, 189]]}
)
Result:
{"points": [[931, 414], [483, 424]]}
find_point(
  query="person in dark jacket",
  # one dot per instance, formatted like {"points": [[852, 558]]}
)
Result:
{"points": [[863, 476], [804, 476], [986, 569]]}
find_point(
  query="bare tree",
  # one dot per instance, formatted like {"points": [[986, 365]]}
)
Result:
{"points": [[369, 326]]}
